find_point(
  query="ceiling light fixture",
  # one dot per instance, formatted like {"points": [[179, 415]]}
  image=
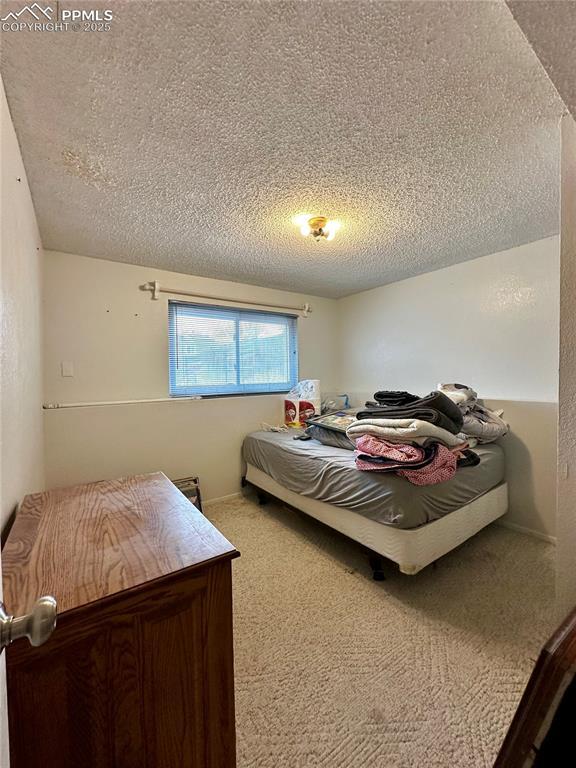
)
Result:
{"points": [[319, 227]]}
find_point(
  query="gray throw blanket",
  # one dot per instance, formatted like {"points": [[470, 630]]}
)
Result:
{"points": [[478, 421]]}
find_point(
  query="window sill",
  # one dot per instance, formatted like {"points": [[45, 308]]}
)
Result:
{"points": [[228, 394]]}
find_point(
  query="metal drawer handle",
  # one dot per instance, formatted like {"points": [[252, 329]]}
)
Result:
{"points": [[37, 625]]}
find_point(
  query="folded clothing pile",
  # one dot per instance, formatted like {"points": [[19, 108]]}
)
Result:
{"points": [[418, 438], [478, 422], [436, 408]]}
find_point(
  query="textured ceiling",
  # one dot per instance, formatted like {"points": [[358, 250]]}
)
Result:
{"points": [[189, 135], [550, 26]]}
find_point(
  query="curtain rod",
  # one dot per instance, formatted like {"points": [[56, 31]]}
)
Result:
{"points": [[95, 403], [156, 289]]}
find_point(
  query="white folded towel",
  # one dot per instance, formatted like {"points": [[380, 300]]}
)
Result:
{"points": [[402, 431]]}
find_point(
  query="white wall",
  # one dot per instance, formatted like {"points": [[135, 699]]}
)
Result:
{"points": [[565, 571], [117, 338], [21, 447], [491, 323], [21, 339]]}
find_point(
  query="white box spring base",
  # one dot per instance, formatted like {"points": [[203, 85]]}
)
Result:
{"points": [[412, 549]]}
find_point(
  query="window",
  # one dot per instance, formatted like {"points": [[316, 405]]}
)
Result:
{"points": [[227, 351]]}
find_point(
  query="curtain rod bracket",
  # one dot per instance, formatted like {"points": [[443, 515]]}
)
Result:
{"points": [[154, 287]]}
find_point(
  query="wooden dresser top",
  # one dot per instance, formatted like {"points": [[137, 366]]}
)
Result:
{"points": [[92, 541]]}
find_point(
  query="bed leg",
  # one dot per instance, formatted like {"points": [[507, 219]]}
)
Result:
{"points": [[377, 565], [262, 498], [243, 481]]}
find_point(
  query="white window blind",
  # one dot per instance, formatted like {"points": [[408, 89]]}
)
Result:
{"points": [[226, 351]]}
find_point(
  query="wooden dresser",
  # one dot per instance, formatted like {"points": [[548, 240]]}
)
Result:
{"points": [[139, 671]]}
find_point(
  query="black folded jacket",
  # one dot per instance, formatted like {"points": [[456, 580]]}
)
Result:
{"points": [[395, 398], [435, 408]]}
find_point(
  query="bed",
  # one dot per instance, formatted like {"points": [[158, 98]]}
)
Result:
{"points": [[411, 525]]}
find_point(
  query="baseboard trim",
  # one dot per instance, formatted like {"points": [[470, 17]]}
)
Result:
{"points": [[208, 502], [527, 531]]}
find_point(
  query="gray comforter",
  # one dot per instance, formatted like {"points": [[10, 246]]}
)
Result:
{"points": [[329, 474]]}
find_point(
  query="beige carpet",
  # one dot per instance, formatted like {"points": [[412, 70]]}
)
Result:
{"points": [[334, 669]]}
